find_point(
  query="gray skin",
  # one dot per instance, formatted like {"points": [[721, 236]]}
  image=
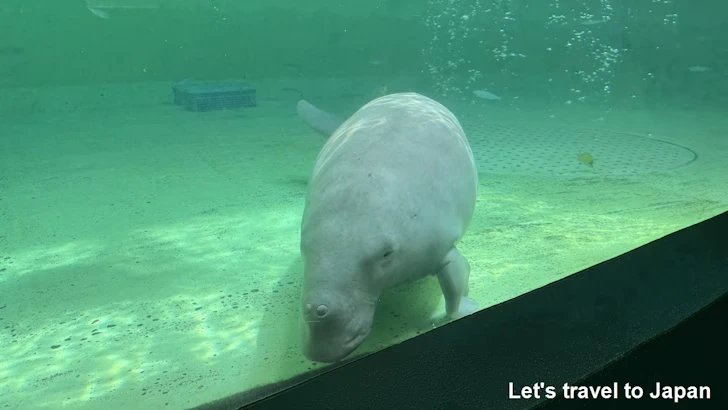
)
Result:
{"points": [[392, 191]]}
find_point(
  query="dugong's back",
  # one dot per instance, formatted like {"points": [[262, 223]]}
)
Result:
{"points": [[404, 146]]}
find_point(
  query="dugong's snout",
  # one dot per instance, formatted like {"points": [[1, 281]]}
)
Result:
{"points": [[332, 328]]}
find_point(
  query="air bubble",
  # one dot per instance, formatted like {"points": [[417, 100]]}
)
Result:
{"points": [[470, 43]]}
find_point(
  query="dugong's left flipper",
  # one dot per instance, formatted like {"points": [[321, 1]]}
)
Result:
{"points": [[321, 121], [453, 278]]}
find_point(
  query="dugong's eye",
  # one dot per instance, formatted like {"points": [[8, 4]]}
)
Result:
{"points": [[322, 310], [387, 254]]}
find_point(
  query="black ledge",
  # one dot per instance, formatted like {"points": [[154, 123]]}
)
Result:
{"points": [[658, 313]]}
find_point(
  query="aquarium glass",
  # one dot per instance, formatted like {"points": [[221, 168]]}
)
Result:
{"points": [[154, 169]]}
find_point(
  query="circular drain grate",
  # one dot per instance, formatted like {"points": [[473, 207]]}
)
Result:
{"points": [[555, 151]]}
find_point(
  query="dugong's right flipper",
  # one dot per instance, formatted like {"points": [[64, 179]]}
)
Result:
{"points": [[453, 280], [321, 121]]}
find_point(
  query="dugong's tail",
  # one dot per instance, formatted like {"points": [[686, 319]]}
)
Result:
{"points": [[321, 121]]}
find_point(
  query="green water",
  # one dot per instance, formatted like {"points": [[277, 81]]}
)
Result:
{"points": [[149, 255]]}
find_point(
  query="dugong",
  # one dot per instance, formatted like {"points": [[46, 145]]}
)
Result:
{"points": [[392, 191]]}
